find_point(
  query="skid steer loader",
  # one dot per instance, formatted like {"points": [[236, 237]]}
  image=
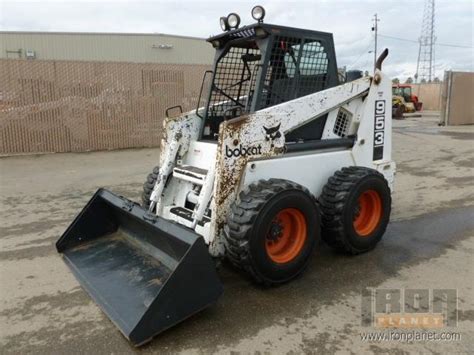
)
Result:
{"points": [[277, 154]]}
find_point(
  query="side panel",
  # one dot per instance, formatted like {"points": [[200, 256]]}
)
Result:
{"points": [[309, 170], [374, 135]]}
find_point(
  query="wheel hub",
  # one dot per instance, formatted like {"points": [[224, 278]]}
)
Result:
{"points": [[276, 231], [367, 213], [357, 211], [286, 235]]}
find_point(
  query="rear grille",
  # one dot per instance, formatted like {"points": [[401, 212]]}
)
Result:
{"points": [[342, 123]]}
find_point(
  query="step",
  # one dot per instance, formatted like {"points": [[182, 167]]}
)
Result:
{"points": [[190, 173]]}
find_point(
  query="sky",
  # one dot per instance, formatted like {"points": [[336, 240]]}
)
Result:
{"points": [[350, 21]]}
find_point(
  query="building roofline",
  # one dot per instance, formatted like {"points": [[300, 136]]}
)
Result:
{"points": [[98, 34]]}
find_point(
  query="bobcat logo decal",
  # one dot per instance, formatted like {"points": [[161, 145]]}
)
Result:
{"points": [[272, 133]]}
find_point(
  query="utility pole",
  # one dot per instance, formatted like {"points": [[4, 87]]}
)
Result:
{"points": [[375, 29]]}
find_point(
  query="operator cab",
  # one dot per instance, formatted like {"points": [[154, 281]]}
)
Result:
{"points": [[263, 65], [403, 91]]}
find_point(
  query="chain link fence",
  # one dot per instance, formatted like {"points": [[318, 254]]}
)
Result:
{"points": [[76, 106]]}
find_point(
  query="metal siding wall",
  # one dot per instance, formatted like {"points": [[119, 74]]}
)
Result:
{"points": [[461, 104], [73, 106], [429, 94], [109, 47]]}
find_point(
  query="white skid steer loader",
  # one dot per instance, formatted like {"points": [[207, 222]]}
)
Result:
{"points": [[277, 155]]}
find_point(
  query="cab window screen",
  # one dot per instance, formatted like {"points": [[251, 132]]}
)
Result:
{"points": [[297, 67]]}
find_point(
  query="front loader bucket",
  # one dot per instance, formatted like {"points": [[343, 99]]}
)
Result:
{"points": [[146, 273]]}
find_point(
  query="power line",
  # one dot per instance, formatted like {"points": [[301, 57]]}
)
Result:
{"points": [[417, 42], [453, 45], [360, 56]]}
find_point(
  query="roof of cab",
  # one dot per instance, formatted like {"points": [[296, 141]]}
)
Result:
{"points": [[261, 30]]}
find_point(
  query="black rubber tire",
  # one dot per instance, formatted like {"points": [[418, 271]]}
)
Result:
{"points": [[148, 186], [338, 202], [400, 111], [248, 223]]}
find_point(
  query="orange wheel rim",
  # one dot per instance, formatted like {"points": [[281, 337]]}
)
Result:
{"points": [[286, 236], [368, 213]]}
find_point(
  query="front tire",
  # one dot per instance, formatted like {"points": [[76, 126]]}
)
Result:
{"points": [[272, 230], [355, 205]]}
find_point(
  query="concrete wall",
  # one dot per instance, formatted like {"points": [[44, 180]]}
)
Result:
{"points": [[139, 48], [457, 98]]}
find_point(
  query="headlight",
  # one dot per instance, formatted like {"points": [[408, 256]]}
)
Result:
{"points": [[233, 20], [258, 13], [224, 24]]}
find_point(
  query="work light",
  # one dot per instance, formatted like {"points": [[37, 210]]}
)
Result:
{"points": [[233, 20], [258, 13], [224, 24]]}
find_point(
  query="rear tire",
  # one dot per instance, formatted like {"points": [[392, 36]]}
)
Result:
{"points": [[355, 206], [148, 186], [272, 230]]}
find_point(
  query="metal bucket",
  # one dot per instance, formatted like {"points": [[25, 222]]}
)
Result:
{"points": [[146, 273]]}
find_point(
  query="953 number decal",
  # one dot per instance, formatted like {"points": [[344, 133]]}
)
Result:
{"points": [[379, 129]]}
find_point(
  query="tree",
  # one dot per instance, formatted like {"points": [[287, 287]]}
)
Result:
{"points": [[396, 81], [436, 80], [423, 81], [409, 80]]}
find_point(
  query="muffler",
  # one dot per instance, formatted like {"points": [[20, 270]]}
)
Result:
{"points": [[146, 273]]}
